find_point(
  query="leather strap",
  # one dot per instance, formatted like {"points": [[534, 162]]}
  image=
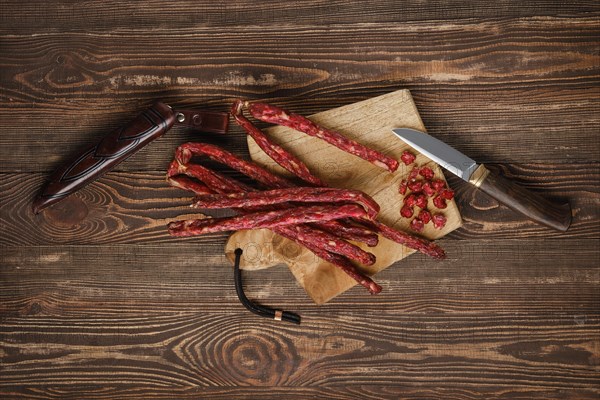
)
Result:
{"points": [[205, 121]]}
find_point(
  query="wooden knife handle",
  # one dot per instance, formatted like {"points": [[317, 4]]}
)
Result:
{"points": [[105, 155], [530, 204]]}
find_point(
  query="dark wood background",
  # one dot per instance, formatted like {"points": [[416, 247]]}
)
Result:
{"points": [[97, 301]]}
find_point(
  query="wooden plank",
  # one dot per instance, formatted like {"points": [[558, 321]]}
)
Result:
{"points": [[67, 83], [536, 276], [413, 391], [159, 316], [135, 208], [39, 16], [546, 352]]}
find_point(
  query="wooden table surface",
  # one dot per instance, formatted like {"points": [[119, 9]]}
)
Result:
{"points": [[97, 301]]}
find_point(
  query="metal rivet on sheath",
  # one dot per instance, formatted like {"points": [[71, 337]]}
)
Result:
{"points": [[197, 119], [180, 117]]}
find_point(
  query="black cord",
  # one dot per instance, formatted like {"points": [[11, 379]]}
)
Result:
{"points": [[263, 311]]}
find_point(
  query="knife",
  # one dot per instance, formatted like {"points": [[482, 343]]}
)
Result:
{"points": [[96, 160], [531, 205]]}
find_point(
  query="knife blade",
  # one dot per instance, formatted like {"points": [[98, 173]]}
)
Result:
{"points": [[115, 147], [530, 204]]}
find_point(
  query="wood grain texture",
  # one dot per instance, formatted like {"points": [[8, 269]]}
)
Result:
{"points": [[97, 302], [84, 85], [341, 392], [479, 277], [112, 14], [445, 325]]}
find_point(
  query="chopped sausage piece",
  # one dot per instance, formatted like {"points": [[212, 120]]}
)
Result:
{"points": [[426, 173], [428, 189], [439, 221], [438, 185], [413, 174], [407, 157], [421, 201], [403, 186], [410, 200], [447, 194], [417, 225], [439, 202], [425, 216], [415, 186], [406, 211]]}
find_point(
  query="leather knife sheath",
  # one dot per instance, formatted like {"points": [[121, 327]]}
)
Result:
{"points": [[119, 145]]}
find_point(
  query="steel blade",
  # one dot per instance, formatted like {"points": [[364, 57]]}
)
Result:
{"points": [[438, 151]]}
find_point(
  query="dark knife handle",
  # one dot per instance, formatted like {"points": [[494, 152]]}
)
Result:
{"points": [[530, 204], [104, 156]]}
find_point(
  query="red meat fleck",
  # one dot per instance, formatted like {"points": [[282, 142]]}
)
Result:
{"points": [[439, 221], [447, 194], [421, 201], [428, 189], [424, 216], [426, 173], [406, 211], [415, 186], [403, 186], [407, 157], [417, 225], [439, 202]]}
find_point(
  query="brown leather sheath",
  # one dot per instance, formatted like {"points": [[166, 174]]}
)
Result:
{"points": [[120, 144]]}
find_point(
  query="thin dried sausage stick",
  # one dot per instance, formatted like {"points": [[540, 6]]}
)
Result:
{"points": [[335, 259], [268, 219], [338, 260], [329, 243], [273, 150], [220, 184], [208, 177], [185, 183], [345, 230], [424, 246], [278, 196], [276, 115], [185, 152], [324, 239]]}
